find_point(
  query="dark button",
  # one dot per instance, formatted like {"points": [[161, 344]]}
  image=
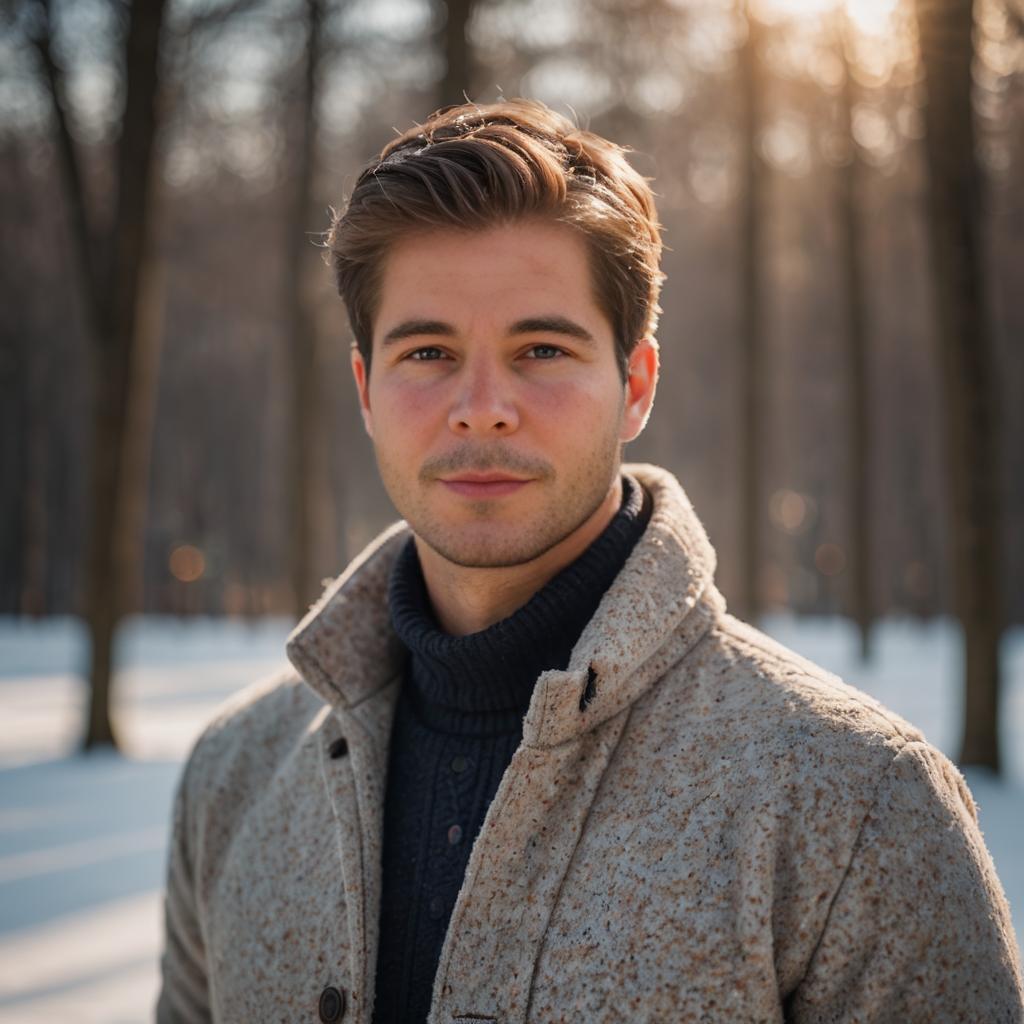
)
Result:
{"points": [[455, 834], [436, 907], [460, 764], [339, 748], [332, 1004]]}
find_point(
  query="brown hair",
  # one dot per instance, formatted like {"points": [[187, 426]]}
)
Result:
{"points": [[475, 166]]}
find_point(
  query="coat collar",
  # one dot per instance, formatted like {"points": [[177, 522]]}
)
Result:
{"points": [[658, 607]]}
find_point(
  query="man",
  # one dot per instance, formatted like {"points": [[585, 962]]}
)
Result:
{"points": [[526, 768]]}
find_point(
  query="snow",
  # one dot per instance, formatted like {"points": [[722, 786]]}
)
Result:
{"points": [[83, 839]]}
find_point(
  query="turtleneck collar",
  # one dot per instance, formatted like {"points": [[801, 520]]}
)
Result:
{"points": [[490, 675]]}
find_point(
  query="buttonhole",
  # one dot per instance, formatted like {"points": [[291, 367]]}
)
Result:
{"points": [[591, 688]]}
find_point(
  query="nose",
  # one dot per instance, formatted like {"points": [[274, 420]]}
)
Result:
{"points": [[484, 405]]}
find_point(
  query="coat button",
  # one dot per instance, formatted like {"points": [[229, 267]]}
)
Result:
{"points": [[460, 764], [339, 748], [332, 1004]]}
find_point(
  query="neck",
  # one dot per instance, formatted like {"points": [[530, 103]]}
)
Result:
{"points": [[469, 600]]}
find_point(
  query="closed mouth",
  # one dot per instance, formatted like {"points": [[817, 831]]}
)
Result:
{"points": [[485, 478], [485, 485]]}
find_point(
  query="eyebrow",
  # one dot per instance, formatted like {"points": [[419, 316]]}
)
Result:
{"points": [[418, 328], [529, 325], [552, 325]]}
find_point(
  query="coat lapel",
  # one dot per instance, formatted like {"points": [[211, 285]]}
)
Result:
{"points": [[346, 651], [513, 878], [355, 786]]}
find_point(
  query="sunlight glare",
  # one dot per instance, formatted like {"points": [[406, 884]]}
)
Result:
{"points": [[869, 16]]}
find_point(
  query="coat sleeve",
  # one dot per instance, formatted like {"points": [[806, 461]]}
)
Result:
{"points": [[184, 993], [919, 931]]}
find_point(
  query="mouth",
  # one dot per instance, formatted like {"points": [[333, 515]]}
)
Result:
{"points": [[485, 485]]}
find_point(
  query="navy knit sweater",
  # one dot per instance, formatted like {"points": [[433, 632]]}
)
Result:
{"points": [[458, 721]]}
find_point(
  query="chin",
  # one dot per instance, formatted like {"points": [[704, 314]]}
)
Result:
{"points": [[491, 549]]}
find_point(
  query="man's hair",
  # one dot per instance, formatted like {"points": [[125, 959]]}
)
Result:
{"points": [[476, 166]]}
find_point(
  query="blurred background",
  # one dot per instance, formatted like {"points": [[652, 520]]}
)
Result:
{"points": [[182, 461]]}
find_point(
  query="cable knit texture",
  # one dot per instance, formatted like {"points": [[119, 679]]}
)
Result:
{"points": [[458, 721], [698, 825]]}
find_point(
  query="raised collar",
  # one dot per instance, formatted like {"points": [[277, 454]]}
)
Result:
{"points": [[658, 606]]}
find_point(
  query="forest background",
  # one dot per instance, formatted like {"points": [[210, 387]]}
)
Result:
{"points": [[843, 375]]}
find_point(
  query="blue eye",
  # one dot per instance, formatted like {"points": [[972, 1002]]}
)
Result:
{"points": [[546, 352]]}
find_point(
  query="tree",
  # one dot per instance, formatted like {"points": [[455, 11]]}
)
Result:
{"points": [[303, 467], [965, 341], [460, 74], [112, 262], [752, 372], [851, 257]]}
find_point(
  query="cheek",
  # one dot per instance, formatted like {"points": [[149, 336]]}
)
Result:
{"points": [[580, 405], [404, 409], [565, 389]]}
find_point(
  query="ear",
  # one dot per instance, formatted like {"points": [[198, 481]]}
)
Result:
{"points": [[362, 378], [641, 382]]}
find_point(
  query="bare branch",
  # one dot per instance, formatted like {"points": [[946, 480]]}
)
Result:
{"points": [[84, 239]]}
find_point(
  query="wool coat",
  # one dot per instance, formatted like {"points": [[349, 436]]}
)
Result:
{"points": [[698, 826]]}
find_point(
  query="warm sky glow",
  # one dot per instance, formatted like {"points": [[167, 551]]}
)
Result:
{"points": [[870, 16]]}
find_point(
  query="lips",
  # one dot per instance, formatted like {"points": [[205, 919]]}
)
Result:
{"points": [[485, 478], [485, 485]]}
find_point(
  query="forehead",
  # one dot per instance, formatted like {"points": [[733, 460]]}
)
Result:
{"points": [[508, 271]]}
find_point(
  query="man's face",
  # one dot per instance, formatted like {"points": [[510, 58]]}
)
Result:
{"points": [[495, 402]]}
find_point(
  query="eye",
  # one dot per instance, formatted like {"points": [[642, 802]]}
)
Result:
{"points": [[545, 352], [429, 354]]}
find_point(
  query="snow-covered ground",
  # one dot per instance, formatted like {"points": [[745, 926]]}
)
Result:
{"points": [[82, 840]]}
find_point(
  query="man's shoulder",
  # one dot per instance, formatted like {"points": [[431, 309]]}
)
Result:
{"points": [[764, 697], [268, 715], [768, 728], [801, 687]]}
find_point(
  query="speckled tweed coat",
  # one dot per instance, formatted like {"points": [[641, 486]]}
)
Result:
{"points": [[722, 832]]}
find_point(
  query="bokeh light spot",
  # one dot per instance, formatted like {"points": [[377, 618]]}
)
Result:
{"points": [[789, 510], [186, 563], [830, 559]]}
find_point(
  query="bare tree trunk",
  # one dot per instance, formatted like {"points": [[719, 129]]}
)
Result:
{"points": [[963, 325], [35, 525], [109, 267], [460, 72], [751, 370], [106, 573], [852, 257], [26, 422], [305, 410], [140, 421]]}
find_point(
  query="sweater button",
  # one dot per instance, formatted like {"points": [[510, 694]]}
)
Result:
{"points": [[332, 1005], [339, 748], [454, 835], [460, 764], [435, 908]]}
